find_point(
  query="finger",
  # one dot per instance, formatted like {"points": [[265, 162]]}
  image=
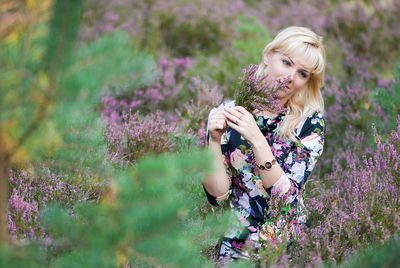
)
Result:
{"points": [[222, 123], [239, 114], [219, 114], [219, 117], [215, 126], [231, 117], [233, 112], [219, 122], [234, 126], [242, 110]]}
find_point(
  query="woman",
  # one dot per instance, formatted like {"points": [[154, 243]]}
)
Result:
{"points": [[269, 152]]}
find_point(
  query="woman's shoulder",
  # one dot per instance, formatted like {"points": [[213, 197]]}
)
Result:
{"points": [[314, 123], [316, 118]]}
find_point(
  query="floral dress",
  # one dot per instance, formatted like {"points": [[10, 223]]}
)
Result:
{"points": [[249, 199]]}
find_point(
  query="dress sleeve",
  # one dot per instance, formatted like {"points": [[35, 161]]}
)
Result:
{"points": [[302, 158], [217, 201]]}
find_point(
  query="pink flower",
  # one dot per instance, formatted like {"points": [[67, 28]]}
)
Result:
{"points": [[240, 5], [238, 160]]}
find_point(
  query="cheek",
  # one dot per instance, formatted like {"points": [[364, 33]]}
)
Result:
{"points": [[271, 74], [274, 71], [299, 83]]}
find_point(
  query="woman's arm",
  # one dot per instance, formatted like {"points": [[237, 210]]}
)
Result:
{"points": [[262, 153], [243, 122], [217, 183], [302, 158], [301, 161]]}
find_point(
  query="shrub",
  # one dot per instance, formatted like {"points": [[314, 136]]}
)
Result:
{"points": [[144, 219], [375, 24], [376, 256], [388, 98], [349, 110], [167, 91], [194, 114], [183, 27], [356, 205], [133, 136], [32, 191]]}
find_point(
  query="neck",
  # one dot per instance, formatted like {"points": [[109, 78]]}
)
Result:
{"points": [[267, 113], [283, 101]]}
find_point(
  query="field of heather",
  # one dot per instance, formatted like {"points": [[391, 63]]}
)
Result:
{"points": [[103, 115]]}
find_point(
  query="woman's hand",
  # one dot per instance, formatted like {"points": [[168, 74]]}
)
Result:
{"points": [[217, 126], [243, 122]]}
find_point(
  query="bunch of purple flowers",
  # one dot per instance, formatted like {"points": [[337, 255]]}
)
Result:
{"points": [[257, 94]]}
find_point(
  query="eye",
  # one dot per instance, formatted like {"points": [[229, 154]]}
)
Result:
{"points": [[286, 62], [303, 74]]}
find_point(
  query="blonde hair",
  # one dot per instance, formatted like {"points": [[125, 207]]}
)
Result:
{"points": [[299, 41]]}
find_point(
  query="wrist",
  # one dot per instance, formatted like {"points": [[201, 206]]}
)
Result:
{"points": [[215, 140], [258, 141]]}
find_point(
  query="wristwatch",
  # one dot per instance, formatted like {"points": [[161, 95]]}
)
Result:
{"points": [[267, 165]]}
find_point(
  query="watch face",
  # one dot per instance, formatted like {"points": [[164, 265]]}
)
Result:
{"points": [[268, 165]]}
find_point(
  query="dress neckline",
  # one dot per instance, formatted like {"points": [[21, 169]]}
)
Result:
{"points": [[268, 116], [265, 116]]}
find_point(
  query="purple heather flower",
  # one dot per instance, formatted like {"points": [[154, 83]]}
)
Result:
{"points": [[254, 94]]}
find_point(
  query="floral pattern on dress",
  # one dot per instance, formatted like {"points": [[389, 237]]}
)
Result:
{"points": [[249, 199]]}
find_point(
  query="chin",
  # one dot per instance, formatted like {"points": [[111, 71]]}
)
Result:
{"points": [[283, 95]]}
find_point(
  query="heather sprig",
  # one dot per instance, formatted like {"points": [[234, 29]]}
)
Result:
{"points": [[257, 94], [194, 113], [356, 205], [134, 136], [165, 92], [32, 191]]}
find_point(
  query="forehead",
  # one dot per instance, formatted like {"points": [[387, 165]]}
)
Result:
{"points": [[300, 60], [306, 56]]}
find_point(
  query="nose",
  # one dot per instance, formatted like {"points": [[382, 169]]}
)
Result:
{"points": [[291, 75]]}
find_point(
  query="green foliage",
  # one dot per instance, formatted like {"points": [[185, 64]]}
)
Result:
{"points": [[15, 256], [389, 101], [50, 92], [184, 38], [44, 98], [154, 214], [183, 142], [246, 50], [109, 60], [144, 217], [33, 65], [375, 256], [73, 129], [63, 30], [253, 38]]}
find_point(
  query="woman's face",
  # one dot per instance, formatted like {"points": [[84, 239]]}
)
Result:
{"points": [[280, 67]]}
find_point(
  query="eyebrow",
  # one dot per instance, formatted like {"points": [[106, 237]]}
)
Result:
{"points": [[304, 69]]}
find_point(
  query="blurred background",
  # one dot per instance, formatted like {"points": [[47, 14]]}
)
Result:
{"points": [[103, 112]]}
